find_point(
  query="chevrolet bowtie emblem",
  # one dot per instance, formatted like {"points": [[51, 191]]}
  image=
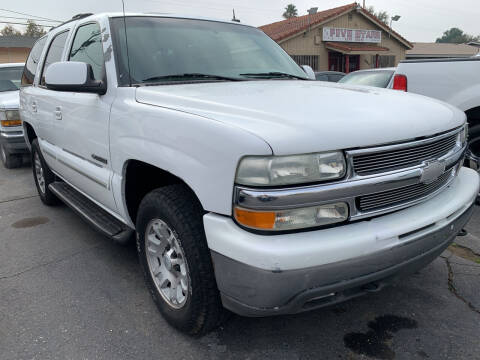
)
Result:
{"points": [[432, 171]]}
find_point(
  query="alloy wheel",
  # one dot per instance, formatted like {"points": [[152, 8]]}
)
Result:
{"points": [[167, 263], [39, 173], [4, 154]]}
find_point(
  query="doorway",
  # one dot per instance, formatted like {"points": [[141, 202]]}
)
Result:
{"points": [[344, 63]]}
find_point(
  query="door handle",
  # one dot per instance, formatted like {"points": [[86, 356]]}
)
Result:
{"points": [[58, 113], [34, 106]]}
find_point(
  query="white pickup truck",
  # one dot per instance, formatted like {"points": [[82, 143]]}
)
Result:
{"points": [[455, 81], [248, 186], [12, 144]]}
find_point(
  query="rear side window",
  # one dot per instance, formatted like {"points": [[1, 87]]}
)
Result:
{"points": [[54, 52], [31, 65], [87, 48], [335, 77], [321, 77]]}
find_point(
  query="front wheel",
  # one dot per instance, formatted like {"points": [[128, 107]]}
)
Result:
{"points": [[472, 157], [176, 261], [10, 161]]}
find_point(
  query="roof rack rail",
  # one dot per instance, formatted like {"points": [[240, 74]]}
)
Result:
{"points": [[74, 18], [81, 16]]}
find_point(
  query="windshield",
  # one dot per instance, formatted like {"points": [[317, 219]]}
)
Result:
{"points": [[162, 47], [10, 78], [369, 78]]}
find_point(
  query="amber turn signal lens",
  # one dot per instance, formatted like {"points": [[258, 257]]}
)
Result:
{"points": [[255, 219], [7, 123]]}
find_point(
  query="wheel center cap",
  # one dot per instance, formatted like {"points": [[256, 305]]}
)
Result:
{"points": [[167, 262]]}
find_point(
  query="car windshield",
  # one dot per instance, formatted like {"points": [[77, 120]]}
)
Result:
{"points": [[10, 78], [168, 50], [369, 78]]}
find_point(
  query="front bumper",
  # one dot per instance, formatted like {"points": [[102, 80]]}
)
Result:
{"points": [[13, 141], [281, 274]]}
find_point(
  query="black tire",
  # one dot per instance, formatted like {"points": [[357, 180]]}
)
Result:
{"points": [[473, 152], [10, 161], [181, 211], [47, 197]]}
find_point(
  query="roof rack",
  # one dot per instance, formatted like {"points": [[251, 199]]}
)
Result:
{"points": [[74, 18], [81, 16]]}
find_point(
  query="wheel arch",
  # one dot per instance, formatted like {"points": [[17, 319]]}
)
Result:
{"points": [[29, 134], [473, 116], [140, 178]]}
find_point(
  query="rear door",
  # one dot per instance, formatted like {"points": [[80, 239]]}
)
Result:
{"points": [[28, 101], [48, 127], [84, 142]]}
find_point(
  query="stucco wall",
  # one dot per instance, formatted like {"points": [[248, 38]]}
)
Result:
{"points": [[305, 44]]}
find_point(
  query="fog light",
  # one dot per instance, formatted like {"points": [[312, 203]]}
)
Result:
{"points": [[294, 218]]}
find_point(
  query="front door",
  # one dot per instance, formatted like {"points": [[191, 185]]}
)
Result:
{"points": [[84, 159]]}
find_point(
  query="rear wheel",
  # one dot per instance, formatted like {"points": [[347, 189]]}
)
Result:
{"points": [[176, 261], [43, 176], [10, 161]]}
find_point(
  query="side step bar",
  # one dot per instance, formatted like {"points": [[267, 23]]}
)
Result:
{"points": [[92, 213]]}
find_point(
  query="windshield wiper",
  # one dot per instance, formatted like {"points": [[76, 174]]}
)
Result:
{"points": [[189, 76], [274, 74]]}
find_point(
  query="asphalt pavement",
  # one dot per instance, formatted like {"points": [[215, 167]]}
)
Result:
{"points": [[66, 292]]}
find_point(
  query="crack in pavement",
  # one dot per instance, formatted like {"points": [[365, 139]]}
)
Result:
{"points": [[20, 198], [55, 261], [453, 290]]}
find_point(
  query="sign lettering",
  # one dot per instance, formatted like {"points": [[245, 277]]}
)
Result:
{"points": [[352, 35]]}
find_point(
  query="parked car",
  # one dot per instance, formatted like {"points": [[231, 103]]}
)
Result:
{"points": [[330, 76], [455, 81], [205, 140], [372, 77], [12, 143]]}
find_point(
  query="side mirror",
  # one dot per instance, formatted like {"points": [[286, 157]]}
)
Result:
{"points": [[73, 76], [309, 71]]}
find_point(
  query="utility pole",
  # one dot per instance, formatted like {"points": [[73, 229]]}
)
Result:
{"points": [[364, 4]]}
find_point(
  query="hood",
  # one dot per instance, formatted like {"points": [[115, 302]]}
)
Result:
{"points": [[296, 117], [9, 99]]}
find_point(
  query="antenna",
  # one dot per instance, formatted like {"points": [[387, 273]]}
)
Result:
{"points": [[126, 43], [234, 18]]}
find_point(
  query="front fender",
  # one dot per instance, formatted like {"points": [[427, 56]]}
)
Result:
{"points": [[202, 152]]}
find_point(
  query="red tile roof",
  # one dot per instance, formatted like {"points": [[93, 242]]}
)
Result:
{"points": [[286, 28], [355, 47], [283, 29]]}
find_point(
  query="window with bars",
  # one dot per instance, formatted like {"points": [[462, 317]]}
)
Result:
{"points": [[311, 60], [383, 61]]}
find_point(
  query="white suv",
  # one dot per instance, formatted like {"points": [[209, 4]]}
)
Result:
{"points": [[205, 139]]}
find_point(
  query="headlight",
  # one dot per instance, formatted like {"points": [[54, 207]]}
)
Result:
{"points": [[10, 118], [294, 218], [290, 170]]}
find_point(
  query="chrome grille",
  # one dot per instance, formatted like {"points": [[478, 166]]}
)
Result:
{"points": [[394, 159], [401, 195]]}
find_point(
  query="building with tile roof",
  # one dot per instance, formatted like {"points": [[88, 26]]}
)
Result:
{"points": [[346, 38]]}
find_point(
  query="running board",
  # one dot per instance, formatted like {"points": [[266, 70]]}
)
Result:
{"points": [[92, 213]]}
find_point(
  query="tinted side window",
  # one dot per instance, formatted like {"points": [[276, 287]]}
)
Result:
{"points": [[54, 52], [335, 78], [321, 77], [32, 62], [87, 48]]}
